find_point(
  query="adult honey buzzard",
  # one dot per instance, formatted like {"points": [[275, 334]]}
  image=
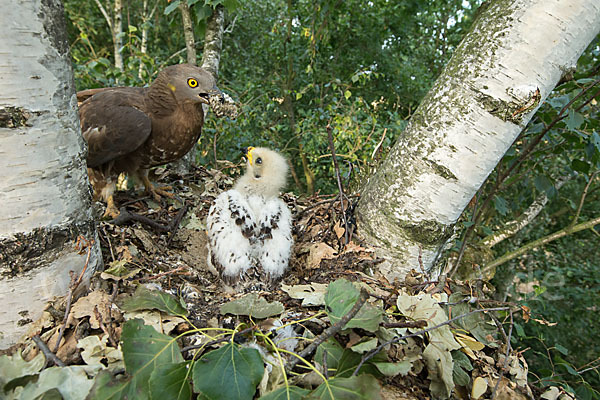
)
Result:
{"points": [[131, 129]]}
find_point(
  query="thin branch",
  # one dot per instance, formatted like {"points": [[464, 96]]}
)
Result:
{"points": [[332, 330], [581, 201], [217, 341], [339, 182], [49, 355], [106, 17], [506, 354], [372, 353], [542, 241]]}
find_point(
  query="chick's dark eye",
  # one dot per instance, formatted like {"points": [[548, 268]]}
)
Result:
{"points": [[259, 160]]}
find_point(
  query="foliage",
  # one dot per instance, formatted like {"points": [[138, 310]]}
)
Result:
{"points": [[360, 68]]}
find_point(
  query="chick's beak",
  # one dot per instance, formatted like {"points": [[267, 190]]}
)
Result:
{"points": [[247, 151]]}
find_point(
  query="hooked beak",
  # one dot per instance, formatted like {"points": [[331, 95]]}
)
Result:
{"points": [[247, 152]]}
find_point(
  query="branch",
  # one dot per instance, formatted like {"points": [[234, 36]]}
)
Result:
{"points": [[370, 354], [106, 17], [332, 330], [542, 241], [511, 228], [581, 201], [213, 41], [339, 182]]}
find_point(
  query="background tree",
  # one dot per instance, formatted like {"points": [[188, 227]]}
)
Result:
{"points": [[44, 192]]}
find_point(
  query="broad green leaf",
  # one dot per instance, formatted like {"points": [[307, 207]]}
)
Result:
{"points": [[574, 120], [146, 299], [580, 166], [230, 373], [365, 345], [543, 183], [562, 349], [253, 305], [500, 205], [72, 382], [558, 102], [393, 369], [350, 360], [340, 298], [108, 387], [347, 94], [334, 353], [360, 387], [289, 393], [595, 140], [171, 7], [460, 376], [171, 381], [144, 350], [13, 367]]}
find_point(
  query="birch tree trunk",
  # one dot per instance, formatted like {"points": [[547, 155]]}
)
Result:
{"points": [[188, 32], [118, 34], [44, 189], [508, 63]]}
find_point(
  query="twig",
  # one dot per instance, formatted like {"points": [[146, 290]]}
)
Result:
{"points": [[73, 286], [175, 224], [217, 341], [339, 181], [332, 330], [405, 324], [506, 354], [372, 353], [170, 272], [126, 216], [49, 355], [581, 201]]}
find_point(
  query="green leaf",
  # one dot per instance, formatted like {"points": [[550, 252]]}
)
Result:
{"points": [[289, 393], [13, 367], [71, 382], [360, 387], [334, 353], [500, 205], [350, 360], [393, 369], [253, 305], [562, 349], [171, 7], [367, 344], [171, 381], [144, 350], [146, 299], [543, 184], [574, 120], [460, 377], [340, 298], [580, 166], [228, 373], [595, 140], [347, 94]]}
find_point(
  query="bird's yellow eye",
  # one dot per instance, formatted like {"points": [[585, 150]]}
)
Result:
{"points": [[192, 83]]}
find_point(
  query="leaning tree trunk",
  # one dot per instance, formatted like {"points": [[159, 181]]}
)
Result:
{"points": [[503, 69], [44, 189]]}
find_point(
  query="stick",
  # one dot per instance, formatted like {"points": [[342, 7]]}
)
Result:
{"points": [[370, 354], [332, 330], [339, 181], [175, 224], [49, 355]]}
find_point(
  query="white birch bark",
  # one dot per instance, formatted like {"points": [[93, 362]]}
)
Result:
{"points": [[213, 41], [44, 189], [118, 34], [188, 32], [503, 69]]}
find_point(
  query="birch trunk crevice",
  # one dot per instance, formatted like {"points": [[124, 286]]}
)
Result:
{"points": [[44, 190], [504, 68]]}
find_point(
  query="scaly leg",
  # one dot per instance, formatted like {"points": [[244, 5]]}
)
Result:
{"points": [[156, 192], [111, 210]]}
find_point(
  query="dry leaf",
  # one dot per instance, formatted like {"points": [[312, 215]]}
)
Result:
{"points": [[480, 386], [318, 252], [339, 229]]}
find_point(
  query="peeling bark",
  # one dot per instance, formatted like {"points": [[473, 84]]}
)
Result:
{"points": [[213, 41], [503, 69], [44, 190]]}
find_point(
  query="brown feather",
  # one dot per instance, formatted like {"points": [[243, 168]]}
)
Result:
{"points": [[132, 129]]}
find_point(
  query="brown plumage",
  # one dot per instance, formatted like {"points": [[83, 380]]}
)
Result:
{"points": [[130, 129]]}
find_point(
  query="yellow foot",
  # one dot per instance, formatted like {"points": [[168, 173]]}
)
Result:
{"points": [[112, 211], [157, 192]]}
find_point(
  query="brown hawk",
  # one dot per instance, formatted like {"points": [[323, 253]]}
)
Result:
{"points": [[131, 129], [250, 227]]}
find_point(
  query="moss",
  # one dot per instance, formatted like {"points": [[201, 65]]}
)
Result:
{"points": [[428, 232], [26, 251], [14, 117]]}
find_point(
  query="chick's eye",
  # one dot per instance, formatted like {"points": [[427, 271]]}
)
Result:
{"points": [[259, 160], [192, 83]]}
